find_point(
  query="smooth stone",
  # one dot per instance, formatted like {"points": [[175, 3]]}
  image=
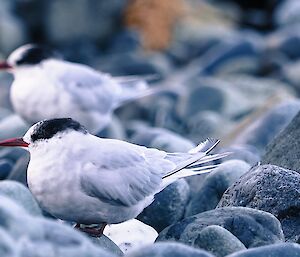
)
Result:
{"points": [[13, 154], [252, 227], [206, 124], [131, 234], [21, 195], [215, 184], [276, 250], [169, 249], [168, 207], [287, 13], [272, 189], [12, 126], [238, 56], [219, 241], [284, 150], [162, 139], [7, 245], [19, 171], [5, 168], [107, 244], [246, 153], [40, 237], [113, 130], [266, 128]]}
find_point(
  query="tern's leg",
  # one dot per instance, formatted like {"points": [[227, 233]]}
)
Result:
{"points": [[94, 232]]}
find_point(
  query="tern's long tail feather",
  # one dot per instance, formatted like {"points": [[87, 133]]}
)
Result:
{"points": [[196, 163], [135, 87]]}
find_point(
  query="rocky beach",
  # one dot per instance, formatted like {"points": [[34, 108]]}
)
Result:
{"points": [[229, 69]]}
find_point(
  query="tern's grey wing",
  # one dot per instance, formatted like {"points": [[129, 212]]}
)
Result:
{"points": [[91, 90], [121, 177]]}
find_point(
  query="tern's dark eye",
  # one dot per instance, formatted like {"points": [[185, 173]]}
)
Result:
{"points": [[48, 128]]}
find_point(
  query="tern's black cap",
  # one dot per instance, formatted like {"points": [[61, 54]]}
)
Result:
{"points": [[33, 54], [48, 128]]}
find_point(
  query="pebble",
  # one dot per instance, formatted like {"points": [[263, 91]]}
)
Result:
{"points": [[252, 227], [272, 189], [276, 250], [218, 241], [169, 249], [168, 206], [215, 184], [21, 195], [264, 129]]}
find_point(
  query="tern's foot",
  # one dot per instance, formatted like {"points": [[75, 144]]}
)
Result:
{"points": [[92, 231]]}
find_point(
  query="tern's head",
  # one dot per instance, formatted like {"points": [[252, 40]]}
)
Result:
{"points": [[44, 131], [27, 55]]}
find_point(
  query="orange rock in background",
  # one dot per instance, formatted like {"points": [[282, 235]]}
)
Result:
{"points": [[155, 20]]}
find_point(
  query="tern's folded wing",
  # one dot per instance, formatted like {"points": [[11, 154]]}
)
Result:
{"points": [[121, 178]]}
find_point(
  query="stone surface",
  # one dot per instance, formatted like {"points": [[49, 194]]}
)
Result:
{"points": [[262, 131], [277, 250], [247, 153], [40, 237], [214, 185], [162, 139], [168, 206], [169, 249], [131, 234], [5, 168], [19, 171], [107, 244], [12, 126], [272, 189], [284, 150], [218, 241], [252, 227], [21, 195]]}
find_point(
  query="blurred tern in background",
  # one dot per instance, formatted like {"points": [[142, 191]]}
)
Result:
{"points": [[79, 177], [47, 87]]}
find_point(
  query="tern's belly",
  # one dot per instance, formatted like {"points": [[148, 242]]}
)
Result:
{"points": [[62, 196]]}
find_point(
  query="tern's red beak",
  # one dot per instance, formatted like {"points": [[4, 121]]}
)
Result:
{"points": [[14, 142], [4, 66]]}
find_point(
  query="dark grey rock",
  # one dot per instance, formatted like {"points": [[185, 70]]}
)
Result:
{"points": [[5, 168], [214, 185], [168, 206], [277, 250], [21, 195], [263, 130], [219, 241], [272, 189], [19, 171], [252, 227], [284, 150], [168, 249]]}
